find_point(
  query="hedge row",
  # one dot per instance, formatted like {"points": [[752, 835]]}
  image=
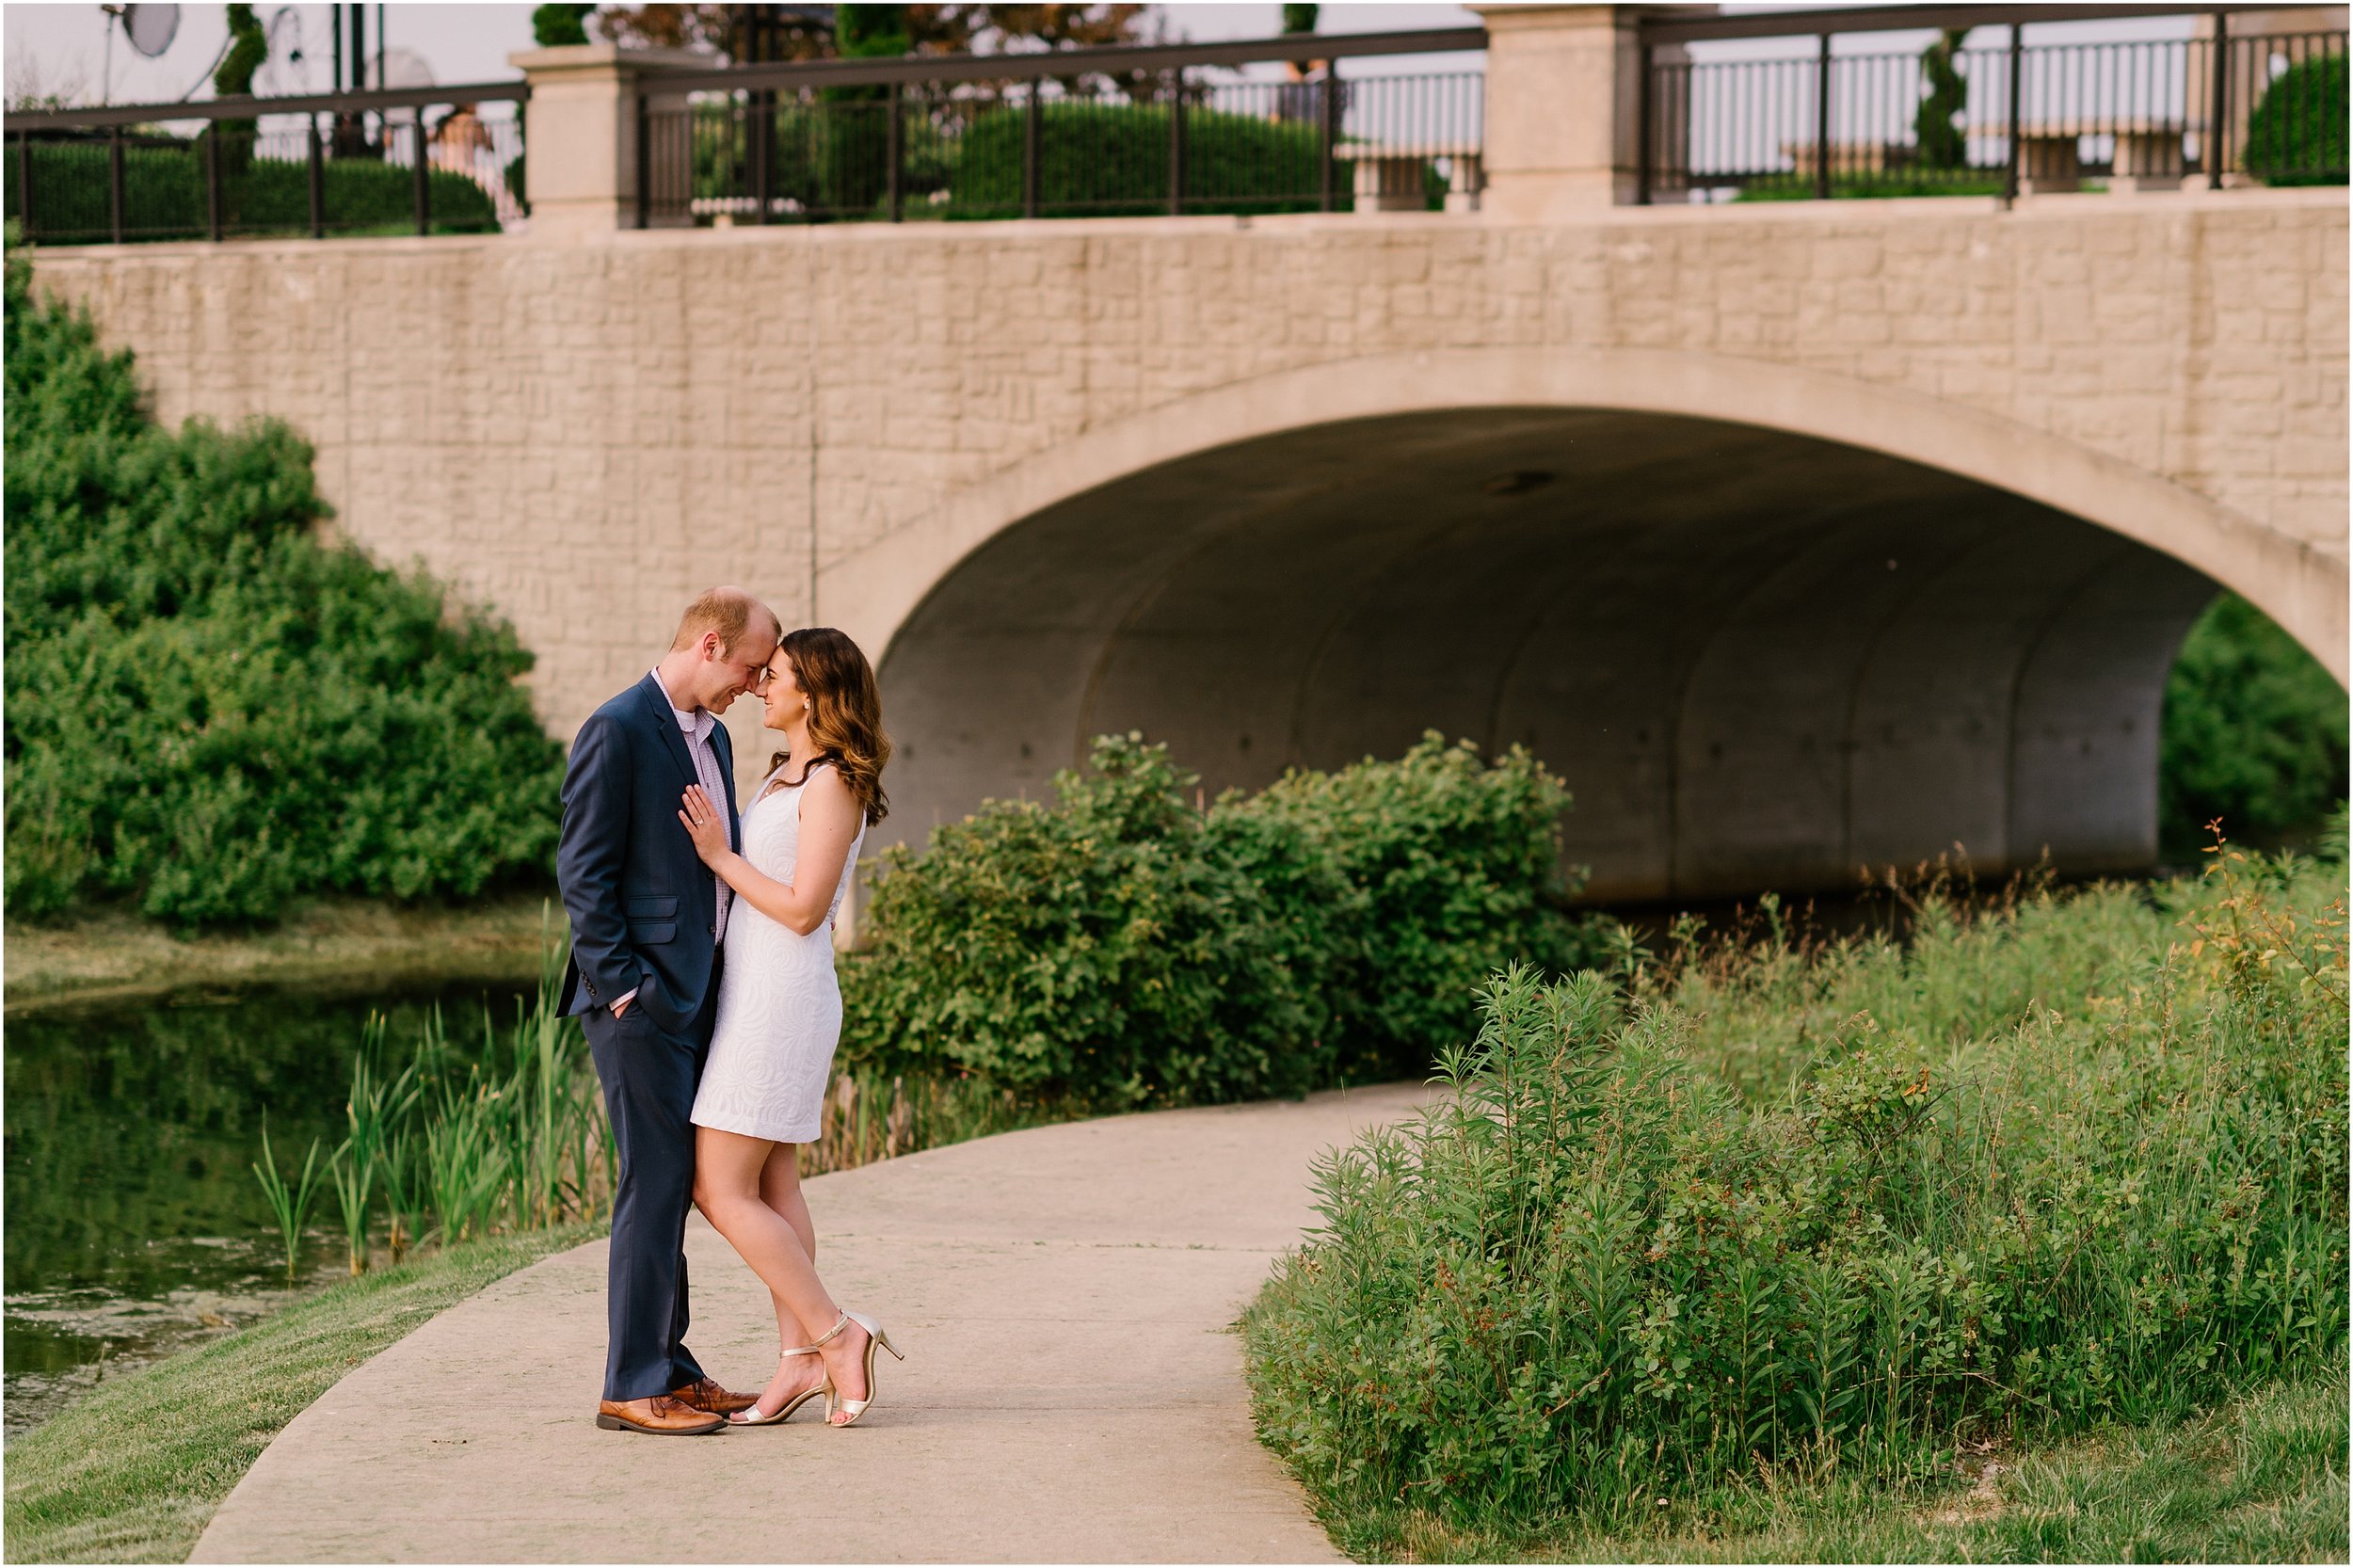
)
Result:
{"points": [[165, 197]]}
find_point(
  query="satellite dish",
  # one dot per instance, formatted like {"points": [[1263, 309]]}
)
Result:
{"points": [[399, 68], [150, 28]]}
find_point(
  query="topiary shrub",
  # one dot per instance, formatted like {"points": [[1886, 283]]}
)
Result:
{"points": [[2296, 134], [208, 711]]}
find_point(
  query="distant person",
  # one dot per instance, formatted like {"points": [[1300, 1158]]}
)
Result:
{"points": [[462, 145], [648, 921], [780, 1007]]}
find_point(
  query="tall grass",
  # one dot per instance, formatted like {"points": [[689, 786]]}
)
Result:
{"points": [[511, 1136], [1794, 1211]]}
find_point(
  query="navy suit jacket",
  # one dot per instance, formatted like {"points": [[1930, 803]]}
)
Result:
{"points": [[643, 905]]}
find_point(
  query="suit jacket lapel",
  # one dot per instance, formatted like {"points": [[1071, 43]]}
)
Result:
{"points": [[665, 723], [723, 750]]}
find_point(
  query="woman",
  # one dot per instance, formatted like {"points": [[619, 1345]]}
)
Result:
{"points": [[780, 1009]]}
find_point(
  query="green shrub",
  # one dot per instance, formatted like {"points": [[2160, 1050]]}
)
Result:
{"points": [[1596, 1278], [1095, 947], [1129, 946], [164, 195], [1107, 160], [2296, 134], [210, 712], [2254, 734], [1418, 876]]}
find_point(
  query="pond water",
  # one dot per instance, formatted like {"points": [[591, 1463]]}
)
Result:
{"points": [[134, 1224]]}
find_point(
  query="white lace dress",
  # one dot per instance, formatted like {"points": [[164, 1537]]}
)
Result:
{"points": [[780, 1005]]}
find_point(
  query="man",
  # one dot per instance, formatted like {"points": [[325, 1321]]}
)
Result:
{"points": [[647, 918]]}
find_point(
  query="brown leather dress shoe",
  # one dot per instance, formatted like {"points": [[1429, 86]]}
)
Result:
{"points": [[703, 1394], [659, 1415]]}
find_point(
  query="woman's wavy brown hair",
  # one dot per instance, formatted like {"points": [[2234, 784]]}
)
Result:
{"points": [[845, 712]]}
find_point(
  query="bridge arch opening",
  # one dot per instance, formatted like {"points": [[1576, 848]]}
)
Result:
{"points": [[1760, 659]]}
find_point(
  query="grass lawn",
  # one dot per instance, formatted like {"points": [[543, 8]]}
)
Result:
{"points": [[132, 1473], [115, 954], [2259, 1481]]}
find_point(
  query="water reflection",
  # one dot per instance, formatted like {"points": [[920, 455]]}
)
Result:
{"points": [[134, 1224]]}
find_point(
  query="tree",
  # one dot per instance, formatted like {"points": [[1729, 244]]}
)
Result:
{"points": [[1299, 19], [1936, 125], [553, 27]]}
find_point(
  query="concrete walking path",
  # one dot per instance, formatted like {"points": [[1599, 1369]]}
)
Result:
{"points": [[1071, 1393]]}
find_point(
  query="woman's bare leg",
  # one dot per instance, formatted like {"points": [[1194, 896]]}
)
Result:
{"points": [[780, 1189], [728, 1170]]}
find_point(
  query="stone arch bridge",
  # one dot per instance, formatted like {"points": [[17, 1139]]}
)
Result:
{"points": [[1796, 538]]}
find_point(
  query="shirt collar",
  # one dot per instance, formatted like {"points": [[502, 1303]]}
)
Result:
{"points": [[695, 722]]}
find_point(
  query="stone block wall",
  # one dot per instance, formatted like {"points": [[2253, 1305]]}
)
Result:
{"points": [[582, 434]]}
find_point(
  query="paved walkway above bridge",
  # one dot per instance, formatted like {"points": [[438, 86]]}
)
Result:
{"points": [[1072, 1391]]}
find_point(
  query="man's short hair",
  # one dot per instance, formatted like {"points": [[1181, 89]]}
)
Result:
{"points": [[729, 611]]}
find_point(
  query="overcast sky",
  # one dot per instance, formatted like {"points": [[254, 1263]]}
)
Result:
{"points": [[64, 44], [62, 47]]}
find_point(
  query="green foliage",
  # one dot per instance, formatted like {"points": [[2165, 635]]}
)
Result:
{"points": [[870, 32], [1299, 19], [2254, 734], [2297, 135], [164, 196], [1418, 876], [1658, 1243], [248, 47], [853, 145], [1875, 187], [553, 27], [210, 712], [1107, 160], [1130, 946], [1936, 125]]}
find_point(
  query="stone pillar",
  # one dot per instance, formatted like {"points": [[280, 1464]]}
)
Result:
{"points": [[581, 135], [1564, 95]]}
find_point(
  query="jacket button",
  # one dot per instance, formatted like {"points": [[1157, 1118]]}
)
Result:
{"points": [[714, 932]]}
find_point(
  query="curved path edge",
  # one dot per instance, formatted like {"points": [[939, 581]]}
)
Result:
{"points": [[1073, 1390]]}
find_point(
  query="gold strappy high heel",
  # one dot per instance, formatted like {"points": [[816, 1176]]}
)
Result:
{"points": [[874, 1335], [753, 1418]]}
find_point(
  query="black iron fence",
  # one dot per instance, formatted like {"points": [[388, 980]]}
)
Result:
{"points": [[1095, 133], [1958, 117], [443, 160]]}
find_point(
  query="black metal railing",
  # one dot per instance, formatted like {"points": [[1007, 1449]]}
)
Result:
{"points": [[1093, 133], [405, 161], [2217, 108]]}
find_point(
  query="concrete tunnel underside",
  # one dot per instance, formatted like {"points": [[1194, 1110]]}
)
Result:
{"points": [[1759, 660]]}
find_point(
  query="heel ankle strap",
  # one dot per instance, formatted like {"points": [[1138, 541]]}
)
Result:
{"points": [[830, 1334]]}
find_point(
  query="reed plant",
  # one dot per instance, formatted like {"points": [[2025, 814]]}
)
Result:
{"points": [[289, 1202], [1789, 1213], [361, 1161]]}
